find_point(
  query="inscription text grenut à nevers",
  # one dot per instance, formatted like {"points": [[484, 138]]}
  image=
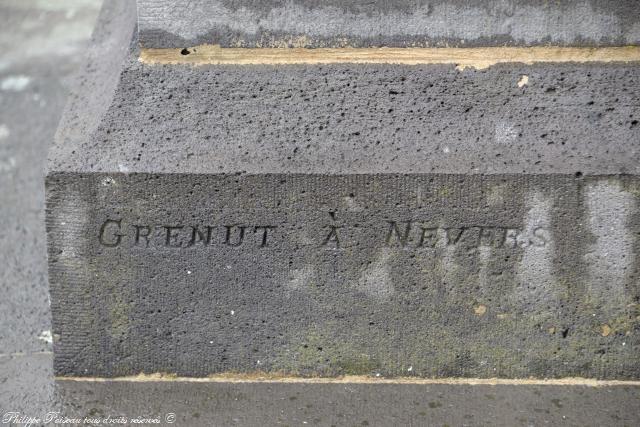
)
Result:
{"points": [[406, 234]]}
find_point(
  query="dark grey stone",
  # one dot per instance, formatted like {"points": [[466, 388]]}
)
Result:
{"points": [[258, 404], [393, 220], [26, 381], [427, 275], [401, 23], [364, 119], [27, 387]]}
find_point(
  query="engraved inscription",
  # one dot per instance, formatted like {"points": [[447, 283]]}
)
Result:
{"points": [[408, 235], [115, 237], [114, 233], [332, 239]]}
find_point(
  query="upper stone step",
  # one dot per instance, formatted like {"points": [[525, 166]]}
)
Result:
{"points": [[393, 23]]}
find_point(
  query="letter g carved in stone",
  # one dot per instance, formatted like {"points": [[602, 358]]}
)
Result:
{"points": [[111, 240]]}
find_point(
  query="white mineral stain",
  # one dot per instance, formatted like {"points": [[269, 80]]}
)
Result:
{"points": [[524, 80], [352, 204], [610, 258], [484, 257], [4, 132], [15, 83], [505, 133], [72, 216], [480, 310], [300, 278], [108, 181], [375, 280], [536, 286], [46, 337], [496, 194], [449, 265]]}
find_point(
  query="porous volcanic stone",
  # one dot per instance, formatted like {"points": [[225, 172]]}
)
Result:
{"points": [[346, 219], [399, 23]]}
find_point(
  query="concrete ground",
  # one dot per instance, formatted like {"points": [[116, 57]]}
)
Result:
{"points": [[42, 44]]}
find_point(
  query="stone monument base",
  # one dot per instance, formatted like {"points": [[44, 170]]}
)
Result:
{"points": [[346, 219]]}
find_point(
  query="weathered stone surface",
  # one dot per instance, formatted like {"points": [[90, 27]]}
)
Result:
{"points": [[27, 387], [365, 119], [429, 275], [348, 219], [401, 23]]}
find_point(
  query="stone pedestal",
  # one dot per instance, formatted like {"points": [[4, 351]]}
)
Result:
{"points": [[361, 219]]}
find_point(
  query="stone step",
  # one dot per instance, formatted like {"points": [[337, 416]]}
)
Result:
{"points": [[345, 219], [30, 391]]}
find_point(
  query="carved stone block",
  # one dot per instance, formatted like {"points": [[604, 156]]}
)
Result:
{"points": [[345, 219]]}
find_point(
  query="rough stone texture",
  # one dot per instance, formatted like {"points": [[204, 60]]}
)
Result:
{"points": [[395, 220], [27, 386], [26, 378], [338, 285], [95, 86], [252, 404], [400, 23], [364, 119]]}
